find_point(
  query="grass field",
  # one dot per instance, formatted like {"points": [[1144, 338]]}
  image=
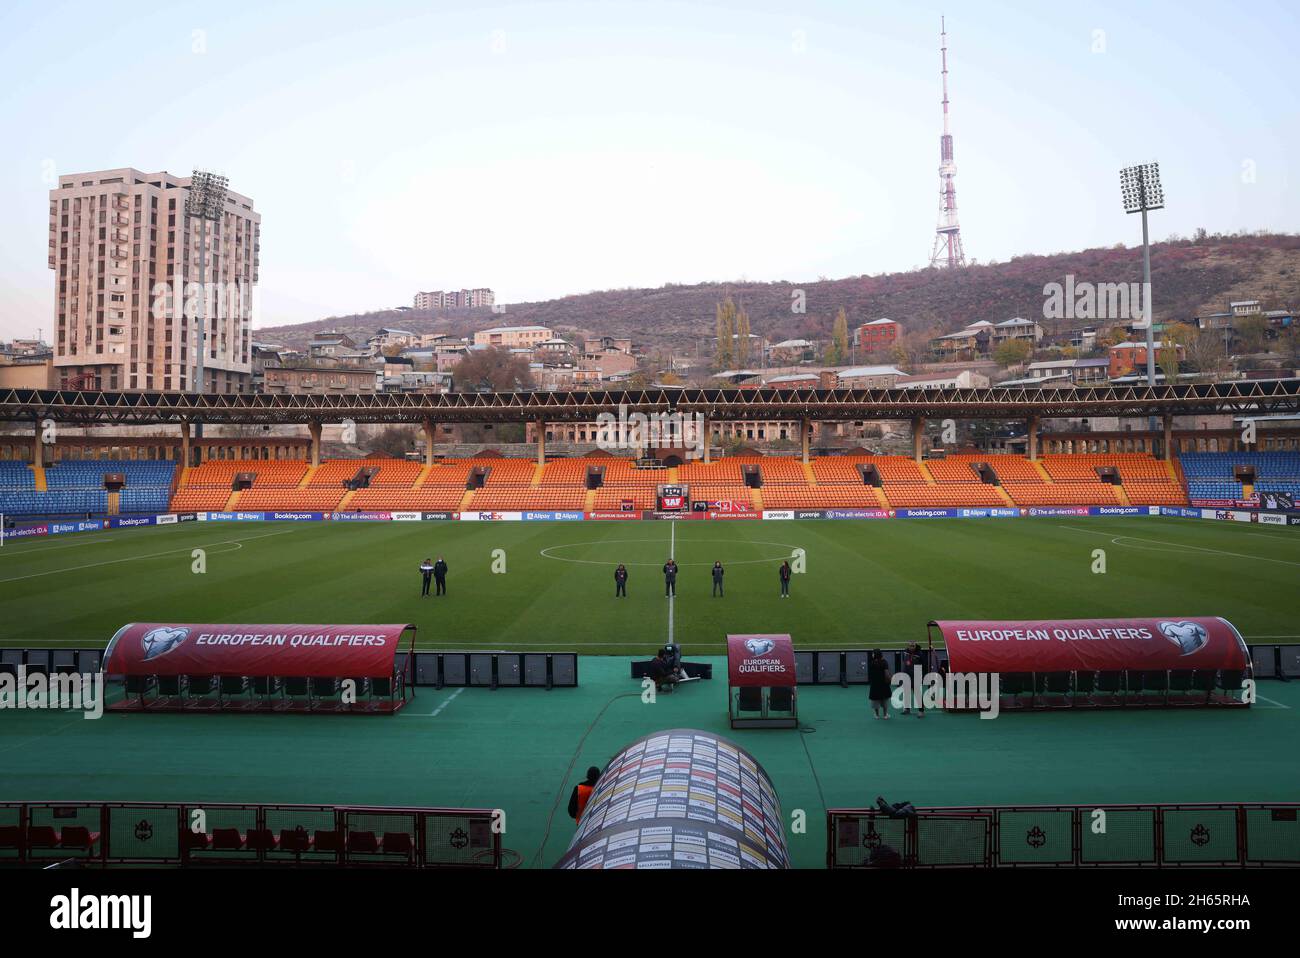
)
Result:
{"points": [[522, 750], [867, 583]]}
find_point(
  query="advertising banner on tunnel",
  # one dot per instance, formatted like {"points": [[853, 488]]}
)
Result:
{"points": [[311, 651], [1066, 645], [763, 660]]}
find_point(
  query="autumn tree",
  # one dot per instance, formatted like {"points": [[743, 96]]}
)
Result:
{"points": [[1206, 352], [1012, 352], [838, 350], [494, 369]]}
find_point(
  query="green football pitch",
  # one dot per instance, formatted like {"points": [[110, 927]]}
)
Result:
{"points": [[522, 750], [549, 585]]}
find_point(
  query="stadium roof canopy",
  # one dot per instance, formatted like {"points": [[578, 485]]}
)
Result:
{"points": [[88, 407]]}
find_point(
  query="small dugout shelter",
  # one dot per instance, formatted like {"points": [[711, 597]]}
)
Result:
{"points": [[186, 667], [761, 682], [1171, 661]]}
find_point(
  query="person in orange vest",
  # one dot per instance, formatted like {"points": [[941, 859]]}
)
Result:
{"points": [[582, 794]]}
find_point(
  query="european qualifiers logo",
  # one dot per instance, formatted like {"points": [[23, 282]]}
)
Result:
{"points": [[158, 642], [757, 647], [1188, 636]]}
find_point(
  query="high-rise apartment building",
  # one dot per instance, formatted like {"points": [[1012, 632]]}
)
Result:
{"points": [[127, 295], [454, 299]]}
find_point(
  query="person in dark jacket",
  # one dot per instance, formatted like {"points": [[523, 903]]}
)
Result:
{"points": [[670, 577], [620, 581], [582, 794], [718, 573], [440, 576], [426, 573], [785, 580], [878, 689], [915, 657]]}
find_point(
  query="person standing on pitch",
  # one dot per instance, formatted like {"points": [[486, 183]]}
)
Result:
{"points": [[620, 581], [426, 572], [440, 576], [670, 577], [718, 573], [785, 580]]}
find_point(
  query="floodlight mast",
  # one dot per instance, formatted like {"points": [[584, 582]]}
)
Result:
{"points": [[206, 201], [1140, 186]]}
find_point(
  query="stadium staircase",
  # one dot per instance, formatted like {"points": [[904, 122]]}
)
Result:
{"points": [[38, 476], [589, 501], [1121, 496], [809, 474], [114, 503], [465, 501], [880, 497], [307, 476], [756, 498], [231, 502], [537, 477], [1038, 468], [347, 498], [925, 474], [424, 474], [1003, 494]]}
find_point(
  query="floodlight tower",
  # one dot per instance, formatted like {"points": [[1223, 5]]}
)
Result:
{"points": [[948, 252], [206, 201], [1140, 186]]}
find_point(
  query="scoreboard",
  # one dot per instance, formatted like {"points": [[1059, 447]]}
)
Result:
{"points": [[673, 498]]}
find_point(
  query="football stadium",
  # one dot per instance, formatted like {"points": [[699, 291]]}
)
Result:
{"points": [[281, 687]]}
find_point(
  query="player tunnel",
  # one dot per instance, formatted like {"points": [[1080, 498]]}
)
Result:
{"points": [[681, 798]]}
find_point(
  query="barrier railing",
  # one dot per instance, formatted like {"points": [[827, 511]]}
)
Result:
{"points": [[216, 833], [1066, 836]]}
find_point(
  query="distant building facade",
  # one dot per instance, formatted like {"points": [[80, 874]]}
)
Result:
{"points": [[117, 240], [455, 299]]}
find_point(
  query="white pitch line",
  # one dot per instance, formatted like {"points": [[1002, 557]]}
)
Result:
{"points": [[1119, 541], [450, 699], [152, 555], [1278, 704], [672, 598]]}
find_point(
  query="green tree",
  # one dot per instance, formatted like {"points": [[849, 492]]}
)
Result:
{"points": [[1252, 332], [742, 338], [838, 350], [726, 312], [1012, 352]]}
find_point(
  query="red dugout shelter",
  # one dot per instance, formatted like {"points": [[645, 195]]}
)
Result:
{"points": [[1103, 661], [336, 668]]}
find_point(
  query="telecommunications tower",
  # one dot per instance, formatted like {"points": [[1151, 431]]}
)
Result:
{"points": [[948, 252]]}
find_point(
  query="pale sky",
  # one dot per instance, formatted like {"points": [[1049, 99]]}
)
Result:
{"points": [[544, 149]]}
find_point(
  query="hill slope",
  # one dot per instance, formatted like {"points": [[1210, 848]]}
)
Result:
{"points": [[1188, 278]]}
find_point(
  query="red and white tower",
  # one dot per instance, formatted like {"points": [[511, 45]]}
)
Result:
{"points": [[948, 252]]}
